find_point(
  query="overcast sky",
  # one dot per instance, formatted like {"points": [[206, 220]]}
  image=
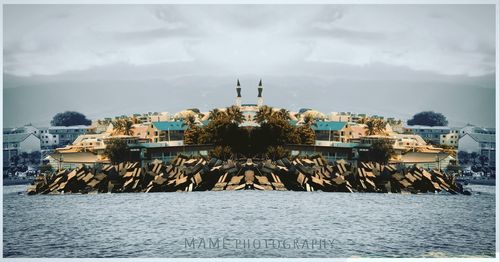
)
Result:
{"points": [[393, 60]]}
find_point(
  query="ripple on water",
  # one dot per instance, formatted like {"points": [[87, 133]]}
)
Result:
{"points": [[157, 225]]}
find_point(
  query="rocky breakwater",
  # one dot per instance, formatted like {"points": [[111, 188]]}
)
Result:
{"points": [[199, 174]]}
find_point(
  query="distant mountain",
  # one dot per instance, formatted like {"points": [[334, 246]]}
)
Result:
{"points": [[36, 100]]}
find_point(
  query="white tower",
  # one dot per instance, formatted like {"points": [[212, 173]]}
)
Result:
{"points": [[260, 99], [238, 93]]}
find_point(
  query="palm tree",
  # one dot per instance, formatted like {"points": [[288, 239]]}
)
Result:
{"points": [[309, 120], [214, 114], [363, 120], [127, 127], [282, 114], [189, 120], [135, 120], [264, 114], [370, 128], [234, 113], [375, 126], [122, 127]]}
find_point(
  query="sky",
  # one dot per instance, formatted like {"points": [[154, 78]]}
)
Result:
{"points": [[107, 60]]}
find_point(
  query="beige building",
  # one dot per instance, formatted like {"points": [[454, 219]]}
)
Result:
{"points": [[408, 141], [450, 139], [340, 117]]}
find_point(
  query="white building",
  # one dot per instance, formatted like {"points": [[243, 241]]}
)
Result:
{"points": [[483, 144], [48, 140], [470, 129], [15, 144], [27, 129], [436, 134], [68, 134]]}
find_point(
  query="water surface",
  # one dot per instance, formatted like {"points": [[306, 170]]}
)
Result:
{"points": [[164, 224]]}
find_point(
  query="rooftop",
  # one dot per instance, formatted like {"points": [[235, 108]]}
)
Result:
{"points": [[427, 127], [483, 138], [329, 125], [70, 127], [170, 125], [15, 138]]}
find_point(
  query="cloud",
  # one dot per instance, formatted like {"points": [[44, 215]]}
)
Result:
{"points": [[444, 39]]}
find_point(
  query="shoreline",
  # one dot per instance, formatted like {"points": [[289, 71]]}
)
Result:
{"points": [[199, 174]]}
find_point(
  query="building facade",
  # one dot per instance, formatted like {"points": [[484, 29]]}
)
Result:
{"points": [[483, 144], [68, 134], [16, 144], [331, 131], [166, 131], [435, 134]]}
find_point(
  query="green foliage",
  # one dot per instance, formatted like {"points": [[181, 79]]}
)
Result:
{"points": [[122, 126], [374, 126], [234, 114], [277, 152], [264, 114], [428, 118], [224, 132], [306, 134], [117, 151], [380, 152], [453, 168], [221, 152], [192, 135], [274, 132], [463, 157], [70, 118], [46, 169]]}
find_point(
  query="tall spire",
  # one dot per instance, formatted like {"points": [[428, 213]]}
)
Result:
{"points": [[238, 93], [260, 100]]}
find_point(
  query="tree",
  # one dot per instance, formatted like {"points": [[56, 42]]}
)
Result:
{"points": [[15, 159], [117, 151], [463, 157], [234, 114], [25, 158], [46, 168], [380, 152], [189, 120], [123, 127], [70, 118], [277, 152], [309, 120], [473, 158], [264, 114], [215, 113], [283, 114], [35, 157], [306, 134], [428, 118], [221, 152], [192, 135], [374, 126]]}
